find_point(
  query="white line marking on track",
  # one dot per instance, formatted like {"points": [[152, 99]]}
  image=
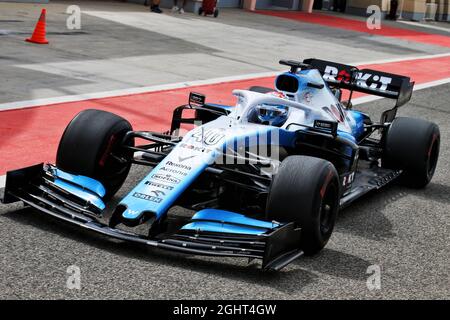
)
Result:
{"points": [[431, 84], [423, 25], [2, 181], [400, 59], [130, 91], [178, 85], [356, 101]]}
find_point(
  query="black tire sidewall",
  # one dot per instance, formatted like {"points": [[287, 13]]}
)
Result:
{"points": [[295, 195], [84, 142], [408, 145]]}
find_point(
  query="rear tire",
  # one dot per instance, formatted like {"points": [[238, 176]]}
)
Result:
{"points": [[200, 11], [216, 13], [412, 145], [87, 145], [306, 190]]}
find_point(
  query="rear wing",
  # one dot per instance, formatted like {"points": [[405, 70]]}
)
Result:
{"points": [[368, 81]]}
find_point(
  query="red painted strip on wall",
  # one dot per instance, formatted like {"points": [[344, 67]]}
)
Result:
{"points": [[360, 26], [31, 135]]}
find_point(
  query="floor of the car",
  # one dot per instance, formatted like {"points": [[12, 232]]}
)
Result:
{"points": [[368, 177]]}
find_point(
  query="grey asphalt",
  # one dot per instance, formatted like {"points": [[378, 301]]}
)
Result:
{"points": [[122, 45], [404, 231]]}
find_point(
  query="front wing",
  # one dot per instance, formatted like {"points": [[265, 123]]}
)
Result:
{"points": [[77, 200]]}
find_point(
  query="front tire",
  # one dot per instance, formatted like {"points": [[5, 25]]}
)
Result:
{"points": [[306, 190], [90, 146], [412, 145]]}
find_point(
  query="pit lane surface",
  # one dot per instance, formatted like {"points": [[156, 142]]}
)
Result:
{"points": [[405, 232]]}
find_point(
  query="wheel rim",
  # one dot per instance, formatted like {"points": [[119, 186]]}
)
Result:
{"points": [[108, 161], [327, 209], [113, 170]]}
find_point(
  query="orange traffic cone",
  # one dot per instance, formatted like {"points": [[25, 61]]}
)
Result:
{"points": [[39, 31]]}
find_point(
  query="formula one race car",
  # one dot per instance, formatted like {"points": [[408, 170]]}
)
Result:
{"points": [[265, 179]]}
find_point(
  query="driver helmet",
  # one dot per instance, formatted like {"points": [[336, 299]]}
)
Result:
{"points": [[274, 115]]}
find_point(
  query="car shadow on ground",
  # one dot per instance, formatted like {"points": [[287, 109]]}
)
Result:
{"points": [[434, 192], [303, 271], [335, 263], [365, 217], [229, 268]]}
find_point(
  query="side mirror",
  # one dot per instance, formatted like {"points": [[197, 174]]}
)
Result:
{"points": [[196, 99]]}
